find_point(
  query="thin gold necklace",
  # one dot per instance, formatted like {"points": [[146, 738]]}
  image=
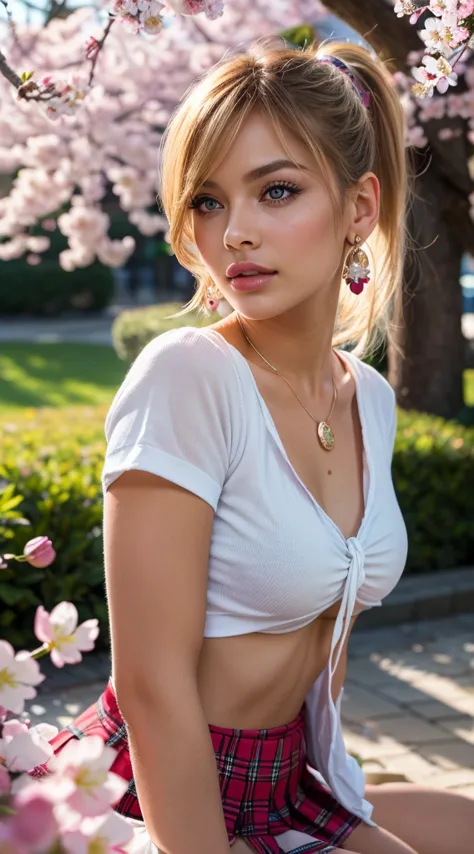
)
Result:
{"points": [[324, 431]]}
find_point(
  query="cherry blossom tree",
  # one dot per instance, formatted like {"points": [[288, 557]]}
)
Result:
{"points": [[98, 86], [67, 149], [429, 356]]}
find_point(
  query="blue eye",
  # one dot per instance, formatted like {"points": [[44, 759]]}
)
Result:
{"points": [[279, 189], [200, 200], [212, 204]]}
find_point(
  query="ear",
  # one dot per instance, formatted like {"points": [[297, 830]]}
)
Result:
{"points": [[364, 207]]}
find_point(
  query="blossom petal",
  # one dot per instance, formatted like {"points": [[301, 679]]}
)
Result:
{"points": [[13, 728], [26, 751], [74, 842], [65, 616], [113, 826], [7, 654], [27, 669], [86, 634], [42, 625]]}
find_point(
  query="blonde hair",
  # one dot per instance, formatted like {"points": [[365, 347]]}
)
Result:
{"points": [[320, 107]]}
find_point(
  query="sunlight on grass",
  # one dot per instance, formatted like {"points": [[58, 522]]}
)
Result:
{"points": [[57, 375]]}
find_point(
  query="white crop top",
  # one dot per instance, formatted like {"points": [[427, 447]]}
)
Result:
{"points": [[189, 410]]}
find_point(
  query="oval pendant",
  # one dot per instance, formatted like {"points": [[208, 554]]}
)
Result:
{"points": [[325, 436]]}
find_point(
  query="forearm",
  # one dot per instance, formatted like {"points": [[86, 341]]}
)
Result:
{"points": [[176, 777]]}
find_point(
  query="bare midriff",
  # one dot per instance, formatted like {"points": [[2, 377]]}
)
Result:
{"points": [[260, 680]]}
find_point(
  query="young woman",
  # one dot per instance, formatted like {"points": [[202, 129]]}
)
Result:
{"points": [[249, 509]]}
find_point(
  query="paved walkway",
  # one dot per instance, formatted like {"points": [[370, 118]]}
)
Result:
{"points": [[92, 328], [408, 704], [96, 328]]}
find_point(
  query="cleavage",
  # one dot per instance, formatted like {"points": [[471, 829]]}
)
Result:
{"points": [[334, 478]]}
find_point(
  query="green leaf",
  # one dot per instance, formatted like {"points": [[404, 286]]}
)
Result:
{"points": [[12, 595], [27, 75]]}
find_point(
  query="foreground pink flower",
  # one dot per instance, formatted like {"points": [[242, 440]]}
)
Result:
{"points": [[212, 8], [18, 674], [22, 749], [65, 638], [104, 835], [33, 828], [39, 552], [81, 778]]}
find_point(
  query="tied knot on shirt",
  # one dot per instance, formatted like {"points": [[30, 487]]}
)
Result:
{"points": [[356, 556]]}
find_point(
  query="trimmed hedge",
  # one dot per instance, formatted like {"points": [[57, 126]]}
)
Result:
{"points": [[433, 471], [54, 459], [49, 290], [135, 327]]}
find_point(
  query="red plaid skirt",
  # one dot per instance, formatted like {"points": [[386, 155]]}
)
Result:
{"points": [[266, 787]]}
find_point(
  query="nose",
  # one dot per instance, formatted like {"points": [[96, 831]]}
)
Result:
{"points": [[241, 230]]}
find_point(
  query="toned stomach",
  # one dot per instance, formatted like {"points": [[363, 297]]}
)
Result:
{"points": [[259, 680]]}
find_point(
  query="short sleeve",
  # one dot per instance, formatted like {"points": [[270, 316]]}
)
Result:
{"points": [[176, 414]]}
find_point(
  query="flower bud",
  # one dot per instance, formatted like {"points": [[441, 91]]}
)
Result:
{"points": [[39, 552]]}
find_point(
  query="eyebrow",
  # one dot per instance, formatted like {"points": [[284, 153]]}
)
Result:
{"points": [[261, 171]]}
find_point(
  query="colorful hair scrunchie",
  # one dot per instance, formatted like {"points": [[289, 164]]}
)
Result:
{"points": [[338, 63]]}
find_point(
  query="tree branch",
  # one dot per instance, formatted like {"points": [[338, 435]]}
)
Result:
{"points": [[375, 21], [393, 39], [100, 45], [8, 72]]}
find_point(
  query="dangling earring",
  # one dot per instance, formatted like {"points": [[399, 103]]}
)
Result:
{"points": [[216, 302], [356, 271]]}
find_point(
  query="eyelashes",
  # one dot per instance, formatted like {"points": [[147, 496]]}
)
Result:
{"points": [[291, 188]]}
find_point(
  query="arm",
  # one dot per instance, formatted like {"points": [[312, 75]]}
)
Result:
{"points": [[156, 549]]}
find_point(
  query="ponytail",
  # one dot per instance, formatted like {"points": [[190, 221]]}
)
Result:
{"points": [[326, 111]]}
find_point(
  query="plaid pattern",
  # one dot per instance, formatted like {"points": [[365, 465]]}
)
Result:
{"points": [[266, 788]]}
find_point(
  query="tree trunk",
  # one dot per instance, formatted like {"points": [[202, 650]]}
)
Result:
{"points": [[427, 358]]}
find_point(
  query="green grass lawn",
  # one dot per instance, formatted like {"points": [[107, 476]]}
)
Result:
{"points": [[74, 374], [57, 375]]}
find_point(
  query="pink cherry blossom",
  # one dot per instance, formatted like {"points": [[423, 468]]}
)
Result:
{"points": [[65, 638], [435, 73], [443, 8], [436, 34], [113, 141], [465, 8], [212, 8], [108, 833], [33, 260], [22, 749], [150, 18], [39, 552], [448, 133], [19, 673], [114, 253], [435, 108], [33, 828], [38, 244], [82, 779]]}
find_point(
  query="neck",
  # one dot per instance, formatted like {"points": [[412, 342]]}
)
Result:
{"points": [[300, 350]]}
